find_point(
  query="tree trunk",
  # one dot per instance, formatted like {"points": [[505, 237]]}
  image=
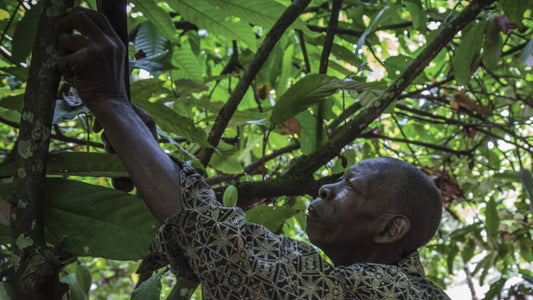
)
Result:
{"points": [[36, 274]]}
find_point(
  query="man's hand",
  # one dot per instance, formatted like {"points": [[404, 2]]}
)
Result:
{"points": [[93, 61]]}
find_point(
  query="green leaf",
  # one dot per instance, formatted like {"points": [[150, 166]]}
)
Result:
{"points": [[272, 217], [83, 277], [450, 257], [496, 288], [97, 221], [228, 164], [310, 133], [306, 92], [515, 10], [74, 289], [19, 73], [206, 16], [159, 17], [185, 60], [6, 292], [468, 250], [492, 218], [149, 289], [396, 64], [13, 102], [467, 52], [418, 15], [156, 48], [25, 33], [492, 48], [263, 13], [149, 40], [527, 52]]}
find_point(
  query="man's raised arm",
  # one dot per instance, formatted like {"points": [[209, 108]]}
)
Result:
{"points": [[93, 62]]}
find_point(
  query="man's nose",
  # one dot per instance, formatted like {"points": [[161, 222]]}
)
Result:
{"points": [[325, 192]]}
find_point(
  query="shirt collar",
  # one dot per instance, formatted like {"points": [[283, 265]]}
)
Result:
{"points": [[411, 265]]}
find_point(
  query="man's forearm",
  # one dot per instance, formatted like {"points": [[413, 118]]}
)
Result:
{"points": [[151, 169]]}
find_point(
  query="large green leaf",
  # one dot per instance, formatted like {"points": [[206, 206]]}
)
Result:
{"points": [[263, 13], [228, 164], [149, 289], [149, 40], [466, 53], [185, 60], [306, 92], [78, 164], [25, 33], [312, 135], [97, 221], [206, 16], [13, 102], [492, 47], [159, 17]]}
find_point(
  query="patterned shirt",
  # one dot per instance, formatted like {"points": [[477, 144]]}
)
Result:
{"points": [[234, 259]]}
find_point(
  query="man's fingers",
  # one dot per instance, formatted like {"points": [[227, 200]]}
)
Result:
{"points": [[64, 68], [80, 21], [97, 18], [69, 43]]}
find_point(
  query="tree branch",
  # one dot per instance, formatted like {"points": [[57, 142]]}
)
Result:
{"points": [[227, 111], [330, 35]]}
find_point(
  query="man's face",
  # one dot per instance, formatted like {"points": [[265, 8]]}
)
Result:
{"points": [[349, 211]]}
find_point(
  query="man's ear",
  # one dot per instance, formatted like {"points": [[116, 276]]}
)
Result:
{"points": [[393, 229]]}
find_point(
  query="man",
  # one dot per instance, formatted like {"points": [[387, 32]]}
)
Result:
{"points": [[370, 223]]}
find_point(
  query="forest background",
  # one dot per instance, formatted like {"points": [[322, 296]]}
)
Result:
{"points": [[274, 98]]}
